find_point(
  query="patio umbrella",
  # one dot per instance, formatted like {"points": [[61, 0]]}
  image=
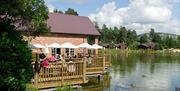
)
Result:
{"points": [[96, 46], [36, 46], [54, 45], [46, 51], [85, 45], [69, 46]]}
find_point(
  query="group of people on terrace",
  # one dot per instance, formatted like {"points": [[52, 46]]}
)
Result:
{"points": [[46, 57]]}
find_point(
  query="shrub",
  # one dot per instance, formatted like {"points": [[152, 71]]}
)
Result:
{"points": [[15, 61]]}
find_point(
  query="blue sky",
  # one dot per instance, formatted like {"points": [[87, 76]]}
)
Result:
{"points": [[141, 15], [84, 7]]}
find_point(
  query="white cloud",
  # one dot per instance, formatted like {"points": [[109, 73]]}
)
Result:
{"points": [[51, 7], [49, 4], [140, 15]]}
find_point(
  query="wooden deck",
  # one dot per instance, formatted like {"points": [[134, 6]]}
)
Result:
{"points": [[69, 73]]}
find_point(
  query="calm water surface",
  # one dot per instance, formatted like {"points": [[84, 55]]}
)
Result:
{"points": [[135, 72]]}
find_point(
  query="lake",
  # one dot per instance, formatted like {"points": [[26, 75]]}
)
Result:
{"points": [[139, 72]]}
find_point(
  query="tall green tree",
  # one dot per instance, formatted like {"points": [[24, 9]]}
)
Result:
{"points": [[156, 38], [152, 33], [71, 11], [131, 37], [17, 17], [104, 34], [143, 39], [178, 39], [124, 34], [57, 11]]}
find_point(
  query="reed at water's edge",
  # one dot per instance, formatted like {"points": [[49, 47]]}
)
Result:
{"points": [[129, 51]]}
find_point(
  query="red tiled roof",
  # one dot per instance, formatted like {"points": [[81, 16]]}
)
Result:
{"points": [[69, 24]]}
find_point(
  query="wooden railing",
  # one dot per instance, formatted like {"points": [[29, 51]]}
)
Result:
{"points": [[72, 72], [61, 73], [94, 65], [108, 60]]}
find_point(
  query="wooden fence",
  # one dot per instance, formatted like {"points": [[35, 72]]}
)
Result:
{"points": [[107, 60], [95, 65], [68, 73], [60, 73]]}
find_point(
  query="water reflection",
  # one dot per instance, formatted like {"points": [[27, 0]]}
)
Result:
{"points": [[140, 72], [98, 85]]}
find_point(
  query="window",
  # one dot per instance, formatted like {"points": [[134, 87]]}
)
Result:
{"points": [[53, 51], [72, 52], [69, 52], [56, 51]]}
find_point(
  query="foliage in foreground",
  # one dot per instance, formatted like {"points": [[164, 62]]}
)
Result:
{"points": [[15, 60], [15, 56], [65, 88], [30, 87]]}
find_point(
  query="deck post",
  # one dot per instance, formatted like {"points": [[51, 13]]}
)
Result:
{"points": [[110, 60], [62, 72], [36, 79], [104, 65], [36, 69], [84, 69]]}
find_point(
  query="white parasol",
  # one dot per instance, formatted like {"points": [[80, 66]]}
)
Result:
{"points": [[68, 45], [54, 45], [36, 46], [96, 46], [85, 45]]}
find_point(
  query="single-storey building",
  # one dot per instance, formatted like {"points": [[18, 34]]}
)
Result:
{"points": [[67, 28], [148, 45], [109, 46], [121, 45]]}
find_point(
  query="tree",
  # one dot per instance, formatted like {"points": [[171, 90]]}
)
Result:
{"points": [[178, 39], [143, 38], [57, 11], [134, 34], [152, 33], [156, 38], [71, 11], [91, 39], [131, 37], [17, 17], [104, 34], [123, 34]]}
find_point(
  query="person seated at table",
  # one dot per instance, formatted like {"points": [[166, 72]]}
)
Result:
{"points": [[63, 57], [87, 55], [71, 67], [58, 57], [42, 56], [75, 56]]}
